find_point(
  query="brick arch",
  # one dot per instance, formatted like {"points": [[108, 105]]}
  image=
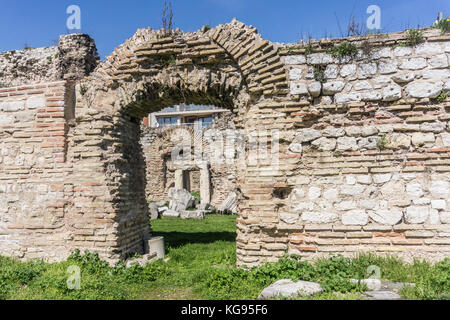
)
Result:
{"points": [[148, 53], [230, 66]]}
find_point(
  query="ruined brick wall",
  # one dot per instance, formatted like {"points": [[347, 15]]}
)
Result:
{"points": [[37, 105], [33, 170], [72, 58], [365, 154], [28, 66], [363, 162]]}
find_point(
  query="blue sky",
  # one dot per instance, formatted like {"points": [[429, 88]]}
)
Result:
{"points": [[110, 22]]}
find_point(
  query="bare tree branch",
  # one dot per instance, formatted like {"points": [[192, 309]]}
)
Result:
{"points": [[167, 18]]}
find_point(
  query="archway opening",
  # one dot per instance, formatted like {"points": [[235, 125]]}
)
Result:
{"points": [[230, 67], [143, 168]]}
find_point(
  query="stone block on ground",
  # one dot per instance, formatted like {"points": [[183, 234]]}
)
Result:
{"points": [[180, 199], [154, 212], [155, 246], [163, 209], [289, 289], [198, 214], [382, 295], [229, 205], [171, 214]]}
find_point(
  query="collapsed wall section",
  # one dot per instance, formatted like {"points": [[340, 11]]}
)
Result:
{"points": [[74, 57]]}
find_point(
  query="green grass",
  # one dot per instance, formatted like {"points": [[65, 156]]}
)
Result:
{"points": [[197, 196], [201, 265], [444, 25], [413, 38], [344, 50]]}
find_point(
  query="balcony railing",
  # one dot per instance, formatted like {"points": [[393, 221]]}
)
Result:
{"points": [[197, 126], [187, 108], [195, 108]]}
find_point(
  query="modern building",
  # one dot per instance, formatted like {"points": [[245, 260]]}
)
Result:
{"points": [[196, 116]]}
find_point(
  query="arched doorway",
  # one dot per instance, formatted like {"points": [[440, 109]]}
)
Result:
{"points": [[230, 67]]}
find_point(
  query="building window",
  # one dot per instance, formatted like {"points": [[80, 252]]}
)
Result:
{"points": [[167, 121], [189, 122], [205, 122]]}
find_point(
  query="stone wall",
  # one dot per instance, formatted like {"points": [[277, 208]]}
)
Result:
{"points": [[366, 154]]}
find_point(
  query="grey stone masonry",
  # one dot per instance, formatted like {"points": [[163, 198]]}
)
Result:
{"points": [[74, 57]]}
